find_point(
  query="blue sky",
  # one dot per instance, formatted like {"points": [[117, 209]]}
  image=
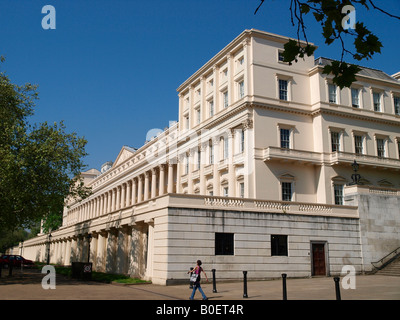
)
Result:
{"points": [[111, 68]]}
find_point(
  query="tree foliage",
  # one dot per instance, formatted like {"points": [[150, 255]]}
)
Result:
{"points": [[40, 164], [328, 13]]}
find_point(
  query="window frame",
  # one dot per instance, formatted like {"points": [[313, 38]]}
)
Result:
{"points": [[279, 245], [224, 244], [379, 94], [357, 106], [340, 197], [362, 137], [396, 107], [284, 194], [283, 92], [332, 94]]}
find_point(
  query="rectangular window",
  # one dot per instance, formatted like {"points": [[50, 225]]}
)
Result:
{"points": [[396, 101], [187, 165], [225, 99], [283, 90], [279, 245], [358, 144], [198, 159], [211, 108], [241, 89], [335, 141], [398, 147], [338, 190], [332, 93], [242, 141], [224, 244], [285, 138], [198, 115], [355, 101], [380, 145], [281, 58], [226, 148], [377, 101], [187, 122], [211, 148], [286, 191], [241, 188], [226, 191]]}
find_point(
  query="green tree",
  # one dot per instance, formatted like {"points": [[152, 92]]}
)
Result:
{"points": [[329, 14], [40, 164]]}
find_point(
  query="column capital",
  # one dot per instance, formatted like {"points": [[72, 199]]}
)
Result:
{"points": [[247, 124]]}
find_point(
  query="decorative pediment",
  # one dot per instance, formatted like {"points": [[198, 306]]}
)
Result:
{"points": [[339, 179], [385, 183], [125, 153], [287, 177]]}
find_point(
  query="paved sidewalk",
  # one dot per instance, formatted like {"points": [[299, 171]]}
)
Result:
{"points": [[27, 286]]}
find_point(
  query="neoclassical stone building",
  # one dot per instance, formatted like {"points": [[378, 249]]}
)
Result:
{"points": [[255, 175]]}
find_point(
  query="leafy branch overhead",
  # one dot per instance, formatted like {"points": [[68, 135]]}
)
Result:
{"points": [[40, 164], [330, 15]]}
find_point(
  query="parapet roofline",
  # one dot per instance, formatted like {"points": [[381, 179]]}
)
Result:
{"points": [[248, 33], [365, 71]]}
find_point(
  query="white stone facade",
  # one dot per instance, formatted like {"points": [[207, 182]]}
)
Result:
{"points": [[261, 149]]}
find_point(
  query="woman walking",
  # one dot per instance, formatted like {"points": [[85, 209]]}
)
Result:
{"points": [[196, 285]]}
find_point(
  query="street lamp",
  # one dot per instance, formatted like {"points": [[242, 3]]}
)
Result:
{"points": [[48, 249], [355, 176], [89, 238]]}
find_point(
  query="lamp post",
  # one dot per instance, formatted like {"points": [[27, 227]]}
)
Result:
{"points": [[48, 248], [89, 238], [355, 176]]}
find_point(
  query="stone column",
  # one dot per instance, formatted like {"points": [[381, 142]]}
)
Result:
{"points": [[229, 63], [216, 182], [170, 188], [101, 210], [123, 195], [67, 257], [101, 245], [128, 193], [113, 199], [153, 182], [248, 158], [111, 250], [118, 204], [190, 176], [161, 187], [133, 197], [202, 148], [122, 252], [146, 186], [93, 249], [231, 168], [140, 189], [74, 249]]}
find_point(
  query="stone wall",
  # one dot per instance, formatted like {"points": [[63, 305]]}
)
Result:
{"points": [[191, 236], [379, 210]]}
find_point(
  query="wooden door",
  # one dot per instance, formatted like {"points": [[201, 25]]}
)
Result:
{"points": [[318, 255]]}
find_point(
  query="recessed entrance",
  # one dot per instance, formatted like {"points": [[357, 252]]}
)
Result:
{"points": [[318, 267]]}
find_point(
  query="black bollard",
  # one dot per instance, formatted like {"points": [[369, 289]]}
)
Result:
{"points": [[10, 268], [190, 282], [214, 281], [284, 286], [337, 288], [245, 284]]}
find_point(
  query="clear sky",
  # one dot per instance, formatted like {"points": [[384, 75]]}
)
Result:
{"points": [[111, 68]]}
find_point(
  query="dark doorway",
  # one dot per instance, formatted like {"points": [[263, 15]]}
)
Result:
{"points": [[318, 259]]}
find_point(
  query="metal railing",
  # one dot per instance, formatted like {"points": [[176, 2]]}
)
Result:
{"points": [[386, 259]]}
